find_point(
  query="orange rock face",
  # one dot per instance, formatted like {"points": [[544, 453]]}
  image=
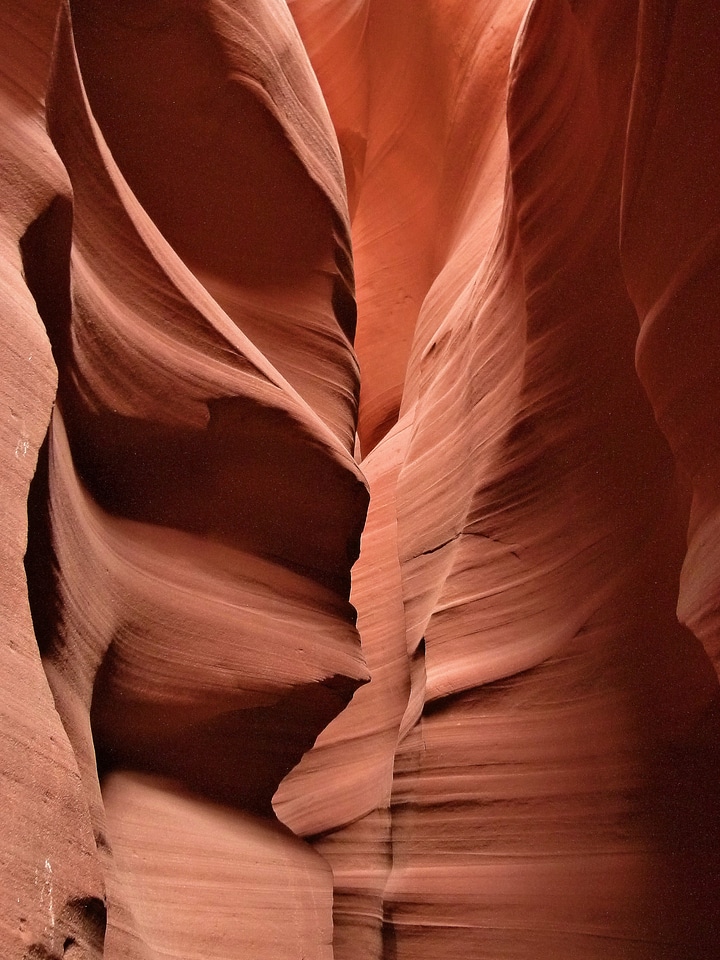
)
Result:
{"points": [[281, 274]]}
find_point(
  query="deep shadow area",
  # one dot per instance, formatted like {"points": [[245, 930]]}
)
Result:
{"points": [[45, 250], [236, 758]]}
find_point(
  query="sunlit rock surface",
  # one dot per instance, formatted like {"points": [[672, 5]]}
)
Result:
{"points": [[496, 735]]}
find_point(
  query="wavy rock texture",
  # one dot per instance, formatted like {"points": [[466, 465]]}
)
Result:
{"points": [[527, 195], [554, 767], [51, 893], [199, 509]]}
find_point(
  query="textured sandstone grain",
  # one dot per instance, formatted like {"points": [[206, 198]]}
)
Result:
{"points": [[51, 889], [527, 193], [198, 515], [540, 522]]}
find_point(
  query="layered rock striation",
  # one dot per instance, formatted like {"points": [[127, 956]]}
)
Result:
{"points": [[495, 734], [553, 767], [197, 509]]}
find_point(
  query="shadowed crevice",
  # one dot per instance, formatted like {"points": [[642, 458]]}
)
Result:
{"points": [[45, 250]]}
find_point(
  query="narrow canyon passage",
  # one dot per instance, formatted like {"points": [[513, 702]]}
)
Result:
{"points": [[360, 576]]}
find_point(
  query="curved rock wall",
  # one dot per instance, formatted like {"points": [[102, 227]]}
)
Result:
{"points": [[198, 508], [554, 776], [522, 199]]}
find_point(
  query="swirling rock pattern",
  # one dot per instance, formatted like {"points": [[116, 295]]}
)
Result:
{"points": [[506, 745]]}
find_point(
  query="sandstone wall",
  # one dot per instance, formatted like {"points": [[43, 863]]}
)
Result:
{"points": [[493, 736]]}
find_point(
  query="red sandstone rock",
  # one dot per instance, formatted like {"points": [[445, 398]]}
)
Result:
{"points": [[531, 769], [539, 526], [196, 508], [51, 889], [214, 882]]}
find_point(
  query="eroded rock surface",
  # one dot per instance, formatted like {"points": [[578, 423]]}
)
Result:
{"points": [[495, 735]]}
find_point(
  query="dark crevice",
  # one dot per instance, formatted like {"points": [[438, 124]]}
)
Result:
{"points": [[40, 558], [45, 250], [203, 755], [343, 292], [344, 307], [426, 553], [389, 938], [464, 533]]}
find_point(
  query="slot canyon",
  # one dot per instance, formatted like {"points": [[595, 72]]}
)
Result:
{"points": [[361, 480]]}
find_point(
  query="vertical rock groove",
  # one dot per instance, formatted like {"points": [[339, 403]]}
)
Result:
{"points": [[359, 474]]}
